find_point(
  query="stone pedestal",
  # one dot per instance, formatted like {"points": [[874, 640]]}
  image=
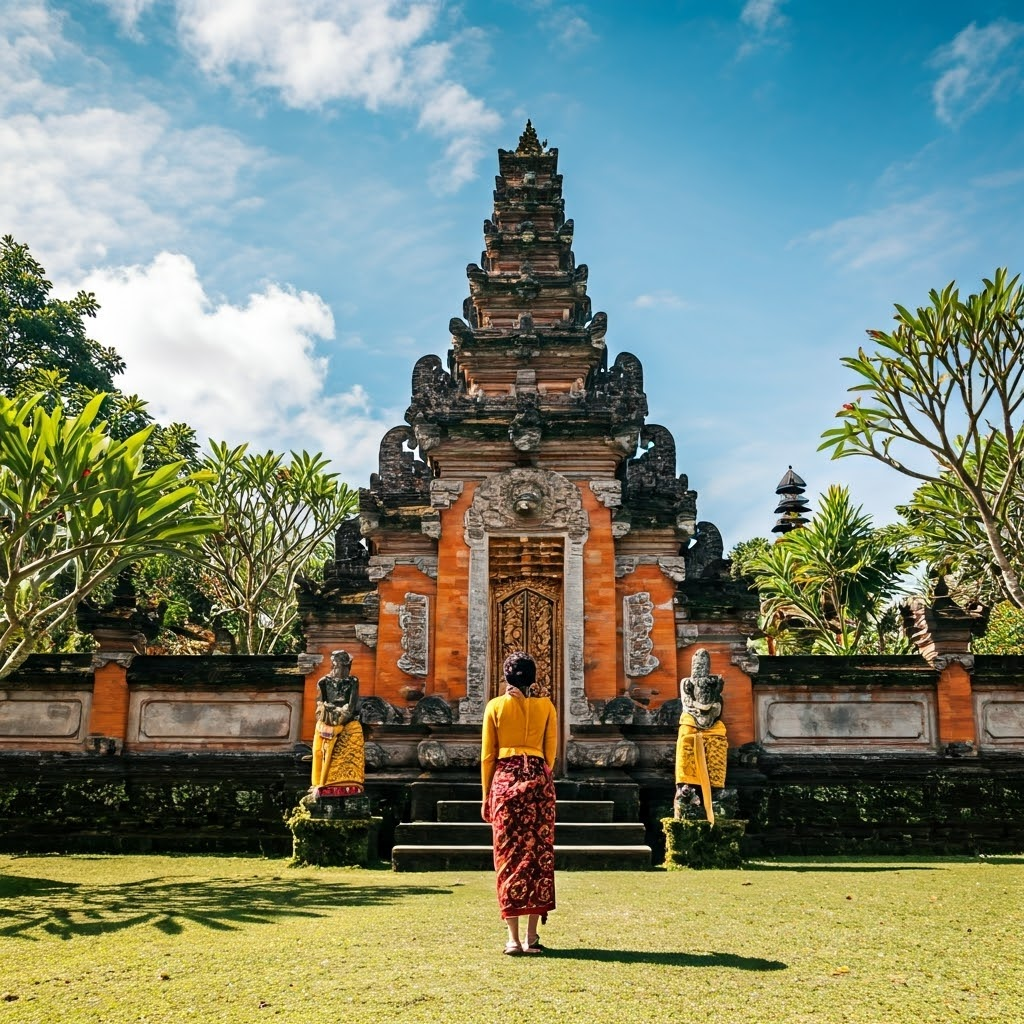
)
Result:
{"points": [[699, 844], [333, 832]]}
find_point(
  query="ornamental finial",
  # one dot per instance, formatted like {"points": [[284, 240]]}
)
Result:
{"points": [[529, 144]]}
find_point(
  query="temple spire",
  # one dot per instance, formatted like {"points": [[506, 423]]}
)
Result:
{"points": [[529, 144]]}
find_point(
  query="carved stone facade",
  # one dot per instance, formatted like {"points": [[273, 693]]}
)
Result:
{"points": [[526, 501]]}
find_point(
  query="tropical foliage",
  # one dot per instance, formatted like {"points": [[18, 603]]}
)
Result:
{"points": [[46, 353], [940, 402], [76, 507], [828, 587], [273, 517]]}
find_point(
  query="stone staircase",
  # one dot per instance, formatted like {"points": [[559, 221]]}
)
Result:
{"points": [[587, 838]]}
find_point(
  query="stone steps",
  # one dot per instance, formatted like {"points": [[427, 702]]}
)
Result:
{"points": [[448, 834], [565, 810], [465, 833], [481, 858]]}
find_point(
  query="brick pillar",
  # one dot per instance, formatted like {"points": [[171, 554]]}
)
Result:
{"points": [[942, 632], [122, 630], [720, 614]]}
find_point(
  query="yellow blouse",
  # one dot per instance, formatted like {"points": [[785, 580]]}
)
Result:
{"points": [[517, 725]]}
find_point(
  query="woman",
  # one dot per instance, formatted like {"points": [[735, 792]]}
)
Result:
{"points": [[517, 755]]}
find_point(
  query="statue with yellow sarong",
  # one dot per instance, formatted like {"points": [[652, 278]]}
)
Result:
{"points": [[702, 746], [338, 760]]}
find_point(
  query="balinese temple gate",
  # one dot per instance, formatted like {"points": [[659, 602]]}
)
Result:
{"points": [[526, 503]]}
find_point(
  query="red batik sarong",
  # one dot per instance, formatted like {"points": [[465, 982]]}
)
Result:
{"points": [[521, 807]]}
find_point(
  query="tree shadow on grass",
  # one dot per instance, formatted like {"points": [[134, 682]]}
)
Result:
{"points": [[667, 959], [36, 908]]}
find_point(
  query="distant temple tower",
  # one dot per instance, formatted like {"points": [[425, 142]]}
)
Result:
{"points": [[526, 503], [792, 503]]}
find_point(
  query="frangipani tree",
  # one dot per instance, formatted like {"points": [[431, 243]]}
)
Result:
{"points": [[272, 517], [940, 401], [77, 506]]}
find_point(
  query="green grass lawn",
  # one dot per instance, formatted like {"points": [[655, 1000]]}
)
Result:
{"points": [[198, 939]]}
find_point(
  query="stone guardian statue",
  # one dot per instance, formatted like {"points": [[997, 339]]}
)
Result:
{"points": [[702, 745], [338, 757]]}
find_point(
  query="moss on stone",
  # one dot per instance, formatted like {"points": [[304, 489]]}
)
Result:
{"points": [[329, 842], [698, 844]]}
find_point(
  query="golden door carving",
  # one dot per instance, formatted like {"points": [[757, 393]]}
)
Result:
{"points": [[528, 617]]}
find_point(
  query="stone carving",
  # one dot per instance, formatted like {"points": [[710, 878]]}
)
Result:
{"points": [[542, 498], [380, 568], [620, 753], [674, 568], [444, 493], [625, 564], [608, 492], [445, 753], [701, 746], [624, 386], [618, 711], [669, 712], [413, 619], [655, 469], [432, 710], [400, 474], [366, 634], [527, 428], [377, 711], [637, 645], [338, 762], [706, 555]]}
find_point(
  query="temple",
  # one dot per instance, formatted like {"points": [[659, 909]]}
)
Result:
{"points": [[526, 502]]}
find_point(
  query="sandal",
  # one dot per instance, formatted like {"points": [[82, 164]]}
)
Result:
{"points": [[512, 949], [534, 945]]}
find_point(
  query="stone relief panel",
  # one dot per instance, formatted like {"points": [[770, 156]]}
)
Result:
{"points": [[999, 713], [846, 719], [530, 498], [413, 618], [60, 717], [173, 719], [637, 645]]}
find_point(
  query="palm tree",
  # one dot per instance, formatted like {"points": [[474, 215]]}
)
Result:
{"points": [[828, 587]]}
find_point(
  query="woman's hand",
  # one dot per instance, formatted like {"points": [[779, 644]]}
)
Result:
{"points": [[483, 812]]}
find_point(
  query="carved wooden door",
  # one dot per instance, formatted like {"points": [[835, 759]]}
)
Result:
{"points": [[526, 609]]}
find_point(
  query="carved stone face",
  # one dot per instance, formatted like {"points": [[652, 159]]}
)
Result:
{"points": [[341, 662], [526, 503]]}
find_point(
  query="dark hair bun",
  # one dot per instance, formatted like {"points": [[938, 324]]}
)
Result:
{"points": [[520, 670]]}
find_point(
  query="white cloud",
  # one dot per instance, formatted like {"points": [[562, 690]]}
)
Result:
{"points": [[80, 177], [977, 65], [660, 299], [31, 35], [764, 19], [900, 232], [127, 13], [75, 184], [314, 52], [762, 15], [247, 372]]}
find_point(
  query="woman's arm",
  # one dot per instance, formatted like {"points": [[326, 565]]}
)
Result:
{"points": [[488, 756], [551, 737]]}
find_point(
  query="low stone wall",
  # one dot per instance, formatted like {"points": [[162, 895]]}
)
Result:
{"points": [[850, 755]]}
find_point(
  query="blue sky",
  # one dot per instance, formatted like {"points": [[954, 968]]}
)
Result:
{"points": [[275, 200]]}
